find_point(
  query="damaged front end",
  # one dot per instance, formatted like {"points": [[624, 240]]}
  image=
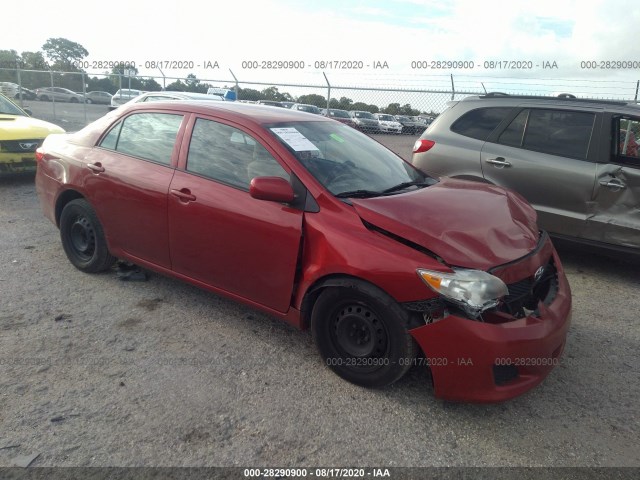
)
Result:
{"points": [[490, 336]]}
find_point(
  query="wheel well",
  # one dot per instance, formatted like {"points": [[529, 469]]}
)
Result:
{"points": [[337, 280], [63, 199]]}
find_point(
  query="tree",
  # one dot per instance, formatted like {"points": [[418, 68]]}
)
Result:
{"points": [[365, 107], [150, 85], [272, 93], [33, 61], [177, 86], [63, 53], [313, 99]]}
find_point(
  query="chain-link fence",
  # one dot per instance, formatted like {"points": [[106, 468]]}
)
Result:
{"points": [[409, 94]]}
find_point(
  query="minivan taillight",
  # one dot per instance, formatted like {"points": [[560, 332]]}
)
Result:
{"points": [[422, 145]]}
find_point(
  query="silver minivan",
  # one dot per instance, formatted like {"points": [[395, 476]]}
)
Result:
{"points": [[575, 160]]}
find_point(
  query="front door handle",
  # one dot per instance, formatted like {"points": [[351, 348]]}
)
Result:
{"points": [[614, 184], [184, 194], [95, 167], [499, 162]]}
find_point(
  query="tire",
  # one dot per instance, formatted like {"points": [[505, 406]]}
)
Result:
{"points": [[44, 98], [73, 100], [89, 101], [362, 335], [83, 238]]}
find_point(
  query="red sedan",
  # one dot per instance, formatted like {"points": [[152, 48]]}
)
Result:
{"points": [[315, 223]]}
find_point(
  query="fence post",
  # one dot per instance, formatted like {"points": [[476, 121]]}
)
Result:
{"points": [[637, 86], [453, 88], [19, 83], [84, 94], [328, 92], [236, 87], [53, 100]]}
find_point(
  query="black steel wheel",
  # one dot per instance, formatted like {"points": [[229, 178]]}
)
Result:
{"points": [[83, 238], [362, 335]]}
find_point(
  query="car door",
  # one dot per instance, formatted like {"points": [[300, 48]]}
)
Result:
{"points": [[218, 233], [614, 216], [130, 172], [546, 155]]}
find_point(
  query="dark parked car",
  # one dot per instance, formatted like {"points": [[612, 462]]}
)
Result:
{"points": [[271, 103], [365, 121], [303, 107], [316, 223], [341, 116], [410, 126], [575, 160]]}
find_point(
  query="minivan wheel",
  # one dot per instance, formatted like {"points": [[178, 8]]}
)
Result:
{"points": [[361, 334], [83, 238]]}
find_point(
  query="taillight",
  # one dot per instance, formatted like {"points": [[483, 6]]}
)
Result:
{"points": [[39, 154], [422, 145]]}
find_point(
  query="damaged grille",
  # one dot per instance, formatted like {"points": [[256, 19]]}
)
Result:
{"points": [[431, 309], [525, 295]]}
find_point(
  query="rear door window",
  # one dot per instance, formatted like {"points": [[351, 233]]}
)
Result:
{"points": [[480, 123], [556, 132], [150, 136]]}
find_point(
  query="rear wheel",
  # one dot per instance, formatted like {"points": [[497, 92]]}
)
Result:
{"points": [[44, 98], [362, 335], [83, 238]]}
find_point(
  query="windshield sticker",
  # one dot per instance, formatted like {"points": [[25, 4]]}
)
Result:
{"points": [[294, 139], [337, 138]]}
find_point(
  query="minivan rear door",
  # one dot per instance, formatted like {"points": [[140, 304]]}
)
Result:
{"points": [[548, 156]]}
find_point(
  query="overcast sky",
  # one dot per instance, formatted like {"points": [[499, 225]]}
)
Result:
{"points": [[393, 31]]}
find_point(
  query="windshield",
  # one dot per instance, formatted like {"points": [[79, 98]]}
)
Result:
{"points": [[308, 108], [338, 113], [364, 115], [346, 162], [386, 118], [8, 107]]}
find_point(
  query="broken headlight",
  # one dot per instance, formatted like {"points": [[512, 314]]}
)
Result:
{"points": [[474, 291]]}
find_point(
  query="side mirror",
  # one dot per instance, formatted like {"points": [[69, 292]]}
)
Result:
{"points": [[273, 189], [29, 112]]}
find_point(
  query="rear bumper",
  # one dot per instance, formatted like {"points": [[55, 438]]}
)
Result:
{"points": [[11, 163], [472, 361]]}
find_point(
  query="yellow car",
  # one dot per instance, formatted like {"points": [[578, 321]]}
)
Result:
{"points": [[20, 136]]}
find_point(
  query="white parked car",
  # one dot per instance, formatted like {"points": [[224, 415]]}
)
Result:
{"points": [[388, 123], [123, 95]]}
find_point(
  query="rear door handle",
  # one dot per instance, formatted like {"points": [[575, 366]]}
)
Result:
{"points": [[184, 194], [614, 184], [95, 167], [499, 162]]}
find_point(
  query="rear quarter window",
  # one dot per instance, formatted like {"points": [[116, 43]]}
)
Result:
{"points": [[480, 123]]}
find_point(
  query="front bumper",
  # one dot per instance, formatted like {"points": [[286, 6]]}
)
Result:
{"points": [[472, 361]]}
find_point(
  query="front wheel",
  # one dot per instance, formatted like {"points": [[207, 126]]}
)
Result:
{"points": [[362, 335], [83, 238]]}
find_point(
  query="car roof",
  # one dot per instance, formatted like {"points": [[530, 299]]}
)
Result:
{"points": [[250, 112]]}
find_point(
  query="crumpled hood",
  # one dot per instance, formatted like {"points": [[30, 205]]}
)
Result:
{"points": [[16, 127], [468, 224]]}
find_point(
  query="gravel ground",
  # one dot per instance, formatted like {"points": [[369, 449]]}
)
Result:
{"points": [[96, 371]]}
